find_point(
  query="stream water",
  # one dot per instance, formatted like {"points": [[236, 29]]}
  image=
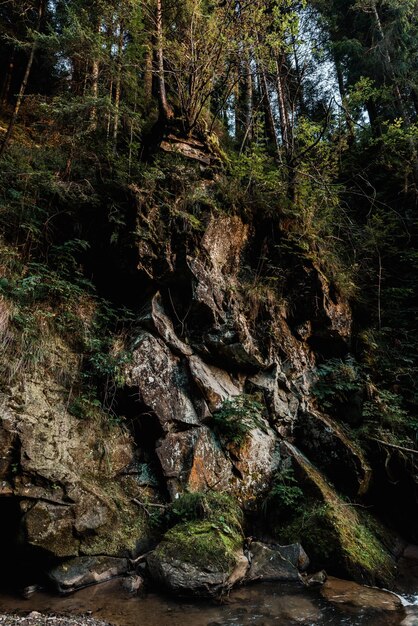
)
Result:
{"points": [[260, 605]]}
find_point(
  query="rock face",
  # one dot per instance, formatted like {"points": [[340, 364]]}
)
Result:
{"points": [[210, 328], [333, 451], [66, 471]]}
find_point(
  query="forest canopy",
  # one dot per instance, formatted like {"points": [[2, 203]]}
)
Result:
{"points": [[309, 108]]}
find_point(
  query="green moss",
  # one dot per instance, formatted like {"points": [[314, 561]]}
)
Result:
{"points": [[338, 536], [339, 539], [129, 524], [202, 543], [219, 508], [206, 532]]}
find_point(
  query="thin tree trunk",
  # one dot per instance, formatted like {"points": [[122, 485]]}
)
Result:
{"points": [[109, 113], [118, 87], [95, 72], [166, 112], [244, 102], [5, 93], [281, 97], [148, 78], [344, 102], [268, 113], [23, 84], [248, 100]]}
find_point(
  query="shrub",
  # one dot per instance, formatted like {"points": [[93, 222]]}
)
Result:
{"points": [[237, 417]]}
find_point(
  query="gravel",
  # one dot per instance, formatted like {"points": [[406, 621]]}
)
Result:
{"points": [[38, 619]]}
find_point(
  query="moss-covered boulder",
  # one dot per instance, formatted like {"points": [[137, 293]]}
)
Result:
{"points": [[202, 555], [338, 536]]}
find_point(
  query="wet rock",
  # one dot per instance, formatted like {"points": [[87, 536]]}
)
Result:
{"points": [[84, 571], [316, 580], [407, 578], [161, 382], [271, 564], [411, 618], [352, 596], [133, 584], [30, 590], [411, 553], [333, 452], [295, 554]]}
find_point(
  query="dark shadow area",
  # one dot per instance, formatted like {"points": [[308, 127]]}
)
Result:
{"points": [[22, 565]]}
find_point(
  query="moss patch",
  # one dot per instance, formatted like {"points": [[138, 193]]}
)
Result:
{"points": [[207, 533], [337, 535], [203, 544]]}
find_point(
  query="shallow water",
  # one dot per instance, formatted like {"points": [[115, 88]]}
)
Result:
{"points": [[260, 605]]}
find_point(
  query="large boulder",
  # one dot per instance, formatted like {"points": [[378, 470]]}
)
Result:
{"points": [[339, 537], [208, 579], [202, 556], [275, 564]]}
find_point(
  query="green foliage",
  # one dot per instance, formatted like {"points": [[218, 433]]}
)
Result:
{"points": [[337, 380], [285, 497], [85, 407], [254, 181], [219, 508], [237, 417]]}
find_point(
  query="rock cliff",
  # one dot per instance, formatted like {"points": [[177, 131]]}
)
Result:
{"points": [[215, 396]]}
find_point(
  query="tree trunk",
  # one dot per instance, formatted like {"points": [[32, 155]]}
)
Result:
{"points": [[281, 98], [244, 103], [24, 83], [148, 75], [344, 102], [5, 92], [118, 87], [95, 72], [166, 112], [268, 113]]}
